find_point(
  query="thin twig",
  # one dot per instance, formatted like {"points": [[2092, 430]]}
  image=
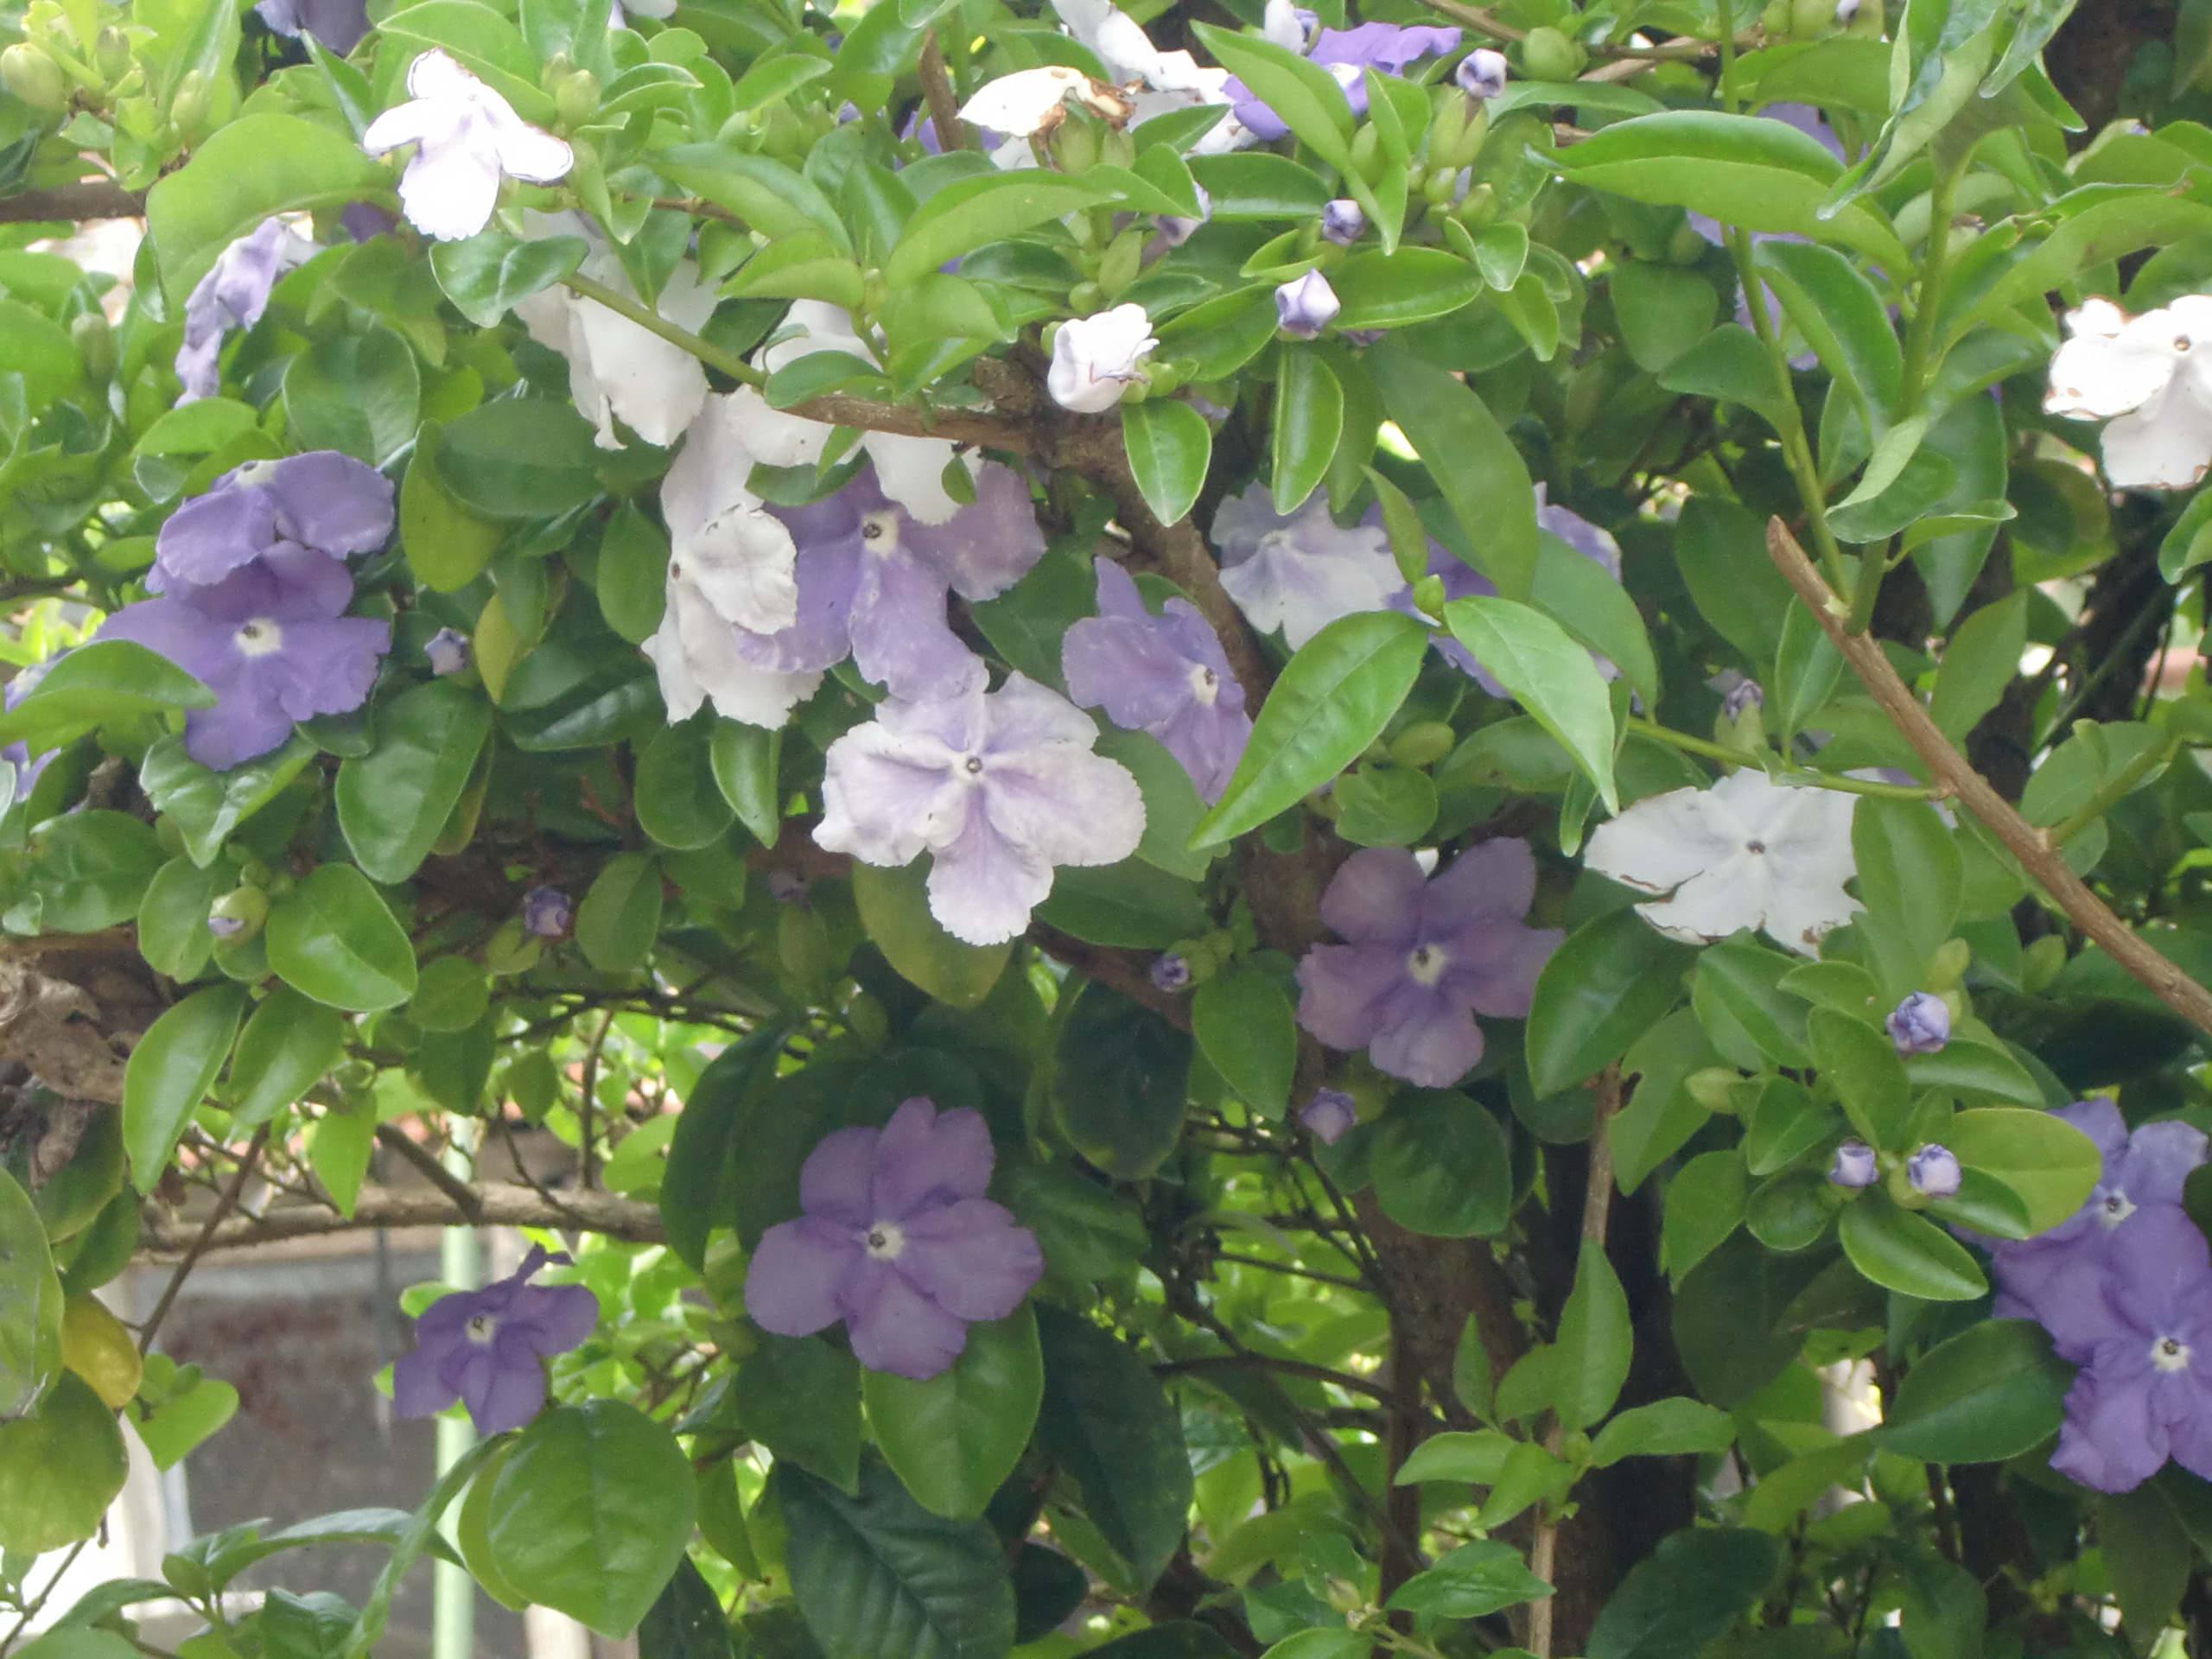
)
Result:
{"points": [[92, 200], [1348, 1283], [434, 1171], [1247, 1357], [224, 1205], [498, 1204], [952, 133]]}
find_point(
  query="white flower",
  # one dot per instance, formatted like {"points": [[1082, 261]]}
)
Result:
{"points": [[999, 786], [1281, 26], [2152, 376], [721, 538], [1162, 81], [1301, 572], [616, 369], [696, 656], [466, 137], [1745, 853], [1094, 358], [1030, 103]]}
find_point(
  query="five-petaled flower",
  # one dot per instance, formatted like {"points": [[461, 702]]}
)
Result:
{"points": [[1302, 572], [1423, 956], [232, 295], [488, 1348], [2151, 378], [466, 137], [1000, 787], [1745, 853], [897, 1241]]}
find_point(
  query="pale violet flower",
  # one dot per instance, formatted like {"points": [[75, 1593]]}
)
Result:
{"points": [[447, 652], [466, 137], [1301, 572], [1094, 358], [1330, 1115], [697, 653], [337, 25], [1934, 1171], [1853, 1166], [999, 786], [721, 538], [1482, 72], [617, 371], [1305, 305], [1919, 1025], [1343, 221], [232, 295], [2151, 377], [1745, 853]]}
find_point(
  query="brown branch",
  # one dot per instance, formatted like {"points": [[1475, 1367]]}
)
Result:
{"points": [[1117, 971], [95, 199], [433, 1170], [2033, 847], [944, 109], [201, 1245], [497, 1204], [52, 1026]]}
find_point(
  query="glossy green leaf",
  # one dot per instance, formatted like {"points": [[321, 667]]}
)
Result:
{"points": [[289, 1044], [1662, 310], [955, 1437], [105, 680], [30, 1302], [1107, 1421], [1685, 1594], [1980, 660], [333, 939], [1862, 1064], [1594, 1344], [1990, 1393], [1668, 1427], [1583, 597], [90, 869], [1729, 366], [1442, 1165], [745, 759], [1742, 981], [1309, 418], [171, 1072], [1842, 317], [969, 212], [1476, 469], [1901, 1251], [1119, 1081], [895, 909], [632, 580], [486, 274], [678, 802], [620, 918], [1910, 876], [800, 1397], [206, 806], [1246, 1028], [447, 545], [1608, 983], [1472, 1581], [1169, 445], [361, 394], [2049, 1162], [394, 801], [1705, 1203], [1546, 673], [1258, 184], [59, 1468], [696, 1194], [519, 457], [1389, 290]]}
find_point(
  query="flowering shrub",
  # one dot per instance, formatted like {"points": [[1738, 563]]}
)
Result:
{"points": [[1317, 830]]}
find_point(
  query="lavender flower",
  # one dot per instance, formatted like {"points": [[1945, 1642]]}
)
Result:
{"points": [[1385, 47], [1424, 956], [323, 500], [272, 640], [1919, 1025], [1301, 573], [1482, 72], [1934, 1171], [1170, 973], [466, 137], [18, 753], [546, 912], [1166, 675], [486, 1348], [447, 652], [1343, 221], [897, 1241], [1175, 230], [2144, 1392], [1744, 693], [1329, 1116], [1305, 306], [1853, 1166], [232, 295], [337, 25], [1000, 787], [364, 223]]}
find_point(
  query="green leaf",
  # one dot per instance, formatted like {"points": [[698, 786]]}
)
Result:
{"points": [[1478, 471], [447, 546], [745, 759], [359, 393], [697, 1191], [1973, 1066], [1901, 1251], [1309, 418], [246, 170], [1169, 445], [1546, 673], [59, 1468], [678, 802], [620, 918], [969, 212], [1472, 1581], [206, 806], [1443, 1166], [1107, 1421], [1302, 94], [1730, 366], [1585, 599], [1119, 1083], [171, 1072], [1669, 1427], [1991, 1392], [289, 1044], [519, 457], [2148, 1556], [1685, 1593], [333, 939], [189, 1420], [800, 1397], [765, 194], [1862, 1065], [1740, 982], [1595, 1341], [1332, 700], [196, 427], [1389, 290], [1662, 310], [1258, 184], [591, 1513], [90, 869], [484, 40], [1610, 982], [2049, 1162], [955, 1437], [1246, 1028], [486, 274], [1705, 1203], [394, 802], [1910, 876], [107, 679], [632, 579], [1981, 657], [1842, 319], [895, 912], [1720, 550], [686, 1620], [30, 1302], [1088, 1233]]}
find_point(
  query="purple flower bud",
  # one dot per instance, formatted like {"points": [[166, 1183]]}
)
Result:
{"points": [[365, 224], [1482, 72], [1362, 336], [1304, 307], [1744, 693], [1920, 1025], [1170, 973], [448, 652], [1176, 231], [1845, 11], [1934, 1171], [225, 927], [1343, 221], [546, 912], [786, 887], [1329, 1116], [1853, 1166]]}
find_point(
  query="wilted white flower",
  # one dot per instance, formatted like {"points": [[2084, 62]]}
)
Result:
{"points": [[1745, 853], [1094, 358], [465, 136], [721, 538], [2152, 377], [1030, 103], [696, 656]]}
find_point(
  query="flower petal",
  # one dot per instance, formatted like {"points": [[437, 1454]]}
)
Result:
{"points": [[895, 1328], [792, 1283], [926, 1158], [450, 189], [972, 1259], [1377, 894], [1427, 1039], [836, 1180], [983, 885]]}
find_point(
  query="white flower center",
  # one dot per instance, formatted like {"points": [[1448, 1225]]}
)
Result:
{"points": [[1278, 541], [885, 1241], [256, 472], [1427, 964], [2170, 1354], [2115, 1209], [880, 533], [481, 1329], [259, 637], [1205, 685]]}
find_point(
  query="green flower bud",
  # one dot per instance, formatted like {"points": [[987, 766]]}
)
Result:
{"points": [[558, 68], [1687, 247], [1119, 268], [95, 343], [578, 100], [1428, 596], [1810, 19], [1422, 744], [511, 951], [1436, 189], [188, 107], [1478, 206], [1547, 54], [35, 78], [1947, 967], [112, 55], [1077, 146], [1084, 298], [351, 1075], [237, 915], [1713, 1087], [2040, 963], [1367, 155]]}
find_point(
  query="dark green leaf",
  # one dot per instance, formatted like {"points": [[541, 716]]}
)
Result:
{"points": [[1120, 1074], [1990, 1393], [1609, 983], [486, 274], [171, 1072], [1476, 469], [395, 801], [1169, 445], [1685, 1594], [1107, 1422]]}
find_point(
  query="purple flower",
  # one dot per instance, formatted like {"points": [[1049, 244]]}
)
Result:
{"points": [[1170, 973], [1385, 47], [546, 912], [1482, 72], [337, 25], [1175, 230], [448, 652], [873, 580], [1424, 956], [1302, 572], [787, 886], [898, 1241], [1853, 1166], [272, 640], [1919, 1025], [485, 1347], [1744, 693], [233, 293], [1934, 1171], [322, 500], [2145, 1391], [1166, 675], [1343, 221], [1329, 1116], [1305, 305], [364, 223], [18, 753]]}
